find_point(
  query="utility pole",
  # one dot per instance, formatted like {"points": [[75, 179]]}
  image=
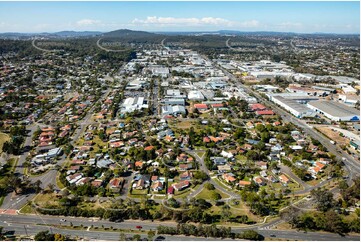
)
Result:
{"points": [[26, 231]]}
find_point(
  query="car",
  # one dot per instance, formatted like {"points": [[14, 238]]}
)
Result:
{"points": [[272, 235], [62, 220], [139, 227], [159, 238]]}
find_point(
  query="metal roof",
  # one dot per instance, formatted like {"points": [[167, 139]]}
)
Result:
{"points": [[334, 108]]}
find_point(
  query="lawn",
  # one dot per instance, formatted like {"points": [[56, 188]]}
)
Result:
{"points": [[184, 124], [27, 209], [184, 193], [138, 193], [219, 182], [206, 194], [3, 139], [241, 158], [58, 182], [242, 209], [47, 199], [2, 200], [200, 153]]}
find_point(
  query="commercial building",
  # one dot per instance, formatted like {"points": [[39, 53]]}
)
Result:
{"points": [[335, 111]]}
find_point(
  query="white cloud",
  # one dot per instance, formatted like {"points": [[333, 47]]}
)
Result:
{"points": [[206, 21], [289, 25], [249, 24], [87, 22]]}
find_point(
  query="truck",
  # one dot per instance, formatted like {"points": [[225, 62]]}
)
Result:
{"points": [[332, 142]]}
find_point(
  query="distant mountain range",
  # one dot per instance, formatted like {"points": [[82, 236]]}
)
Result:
{"points": [[126, 33], [61, 34]]}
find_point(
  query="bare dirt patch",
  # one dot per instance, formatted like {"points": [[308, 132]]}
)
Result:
{"points": [[334, 135]]}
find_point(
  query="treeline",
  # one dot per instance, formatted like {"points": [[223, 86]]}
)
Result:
{"points": [[79, 47], [146, 210], [331, 214], [13, 146], [329, 221], [208, 231], [47, 236]]}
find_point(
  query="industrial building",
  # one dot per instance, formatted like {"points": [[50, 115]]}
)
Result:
{"points": [[131, 104], [335, 111], [195, 95], [291, 105], [173, 110], [174, 101]]}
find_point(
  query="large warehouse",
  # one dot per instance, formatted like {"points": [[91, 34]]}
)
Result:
{"points": [[294, 107], [335, 111], [130, 104]]}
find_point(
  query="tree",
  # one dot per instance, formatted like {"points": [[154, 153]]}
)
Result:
{"points": [[250, 235], [122, 237], [334, 222], [226, 213], [200, 175], [173, 203], [324, 199], [44, 236], [215, 196], [209, 186], [137, 237], [151, 234], [50, 187], [37, 186], [59, 237]]}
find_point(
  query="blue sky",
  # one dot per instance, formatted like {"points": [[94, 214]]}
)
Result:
{"points": [[301, 17]]}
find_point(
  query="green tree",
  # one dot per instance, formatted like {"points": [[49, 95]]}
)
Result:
{"points": [[137, 237], [215, 196], [151, 234], [209, 186], [44, 236], [324, 199]]}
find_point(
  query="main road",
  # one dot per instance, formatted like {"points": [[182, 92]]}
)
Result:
{"points": [[32, 224]]}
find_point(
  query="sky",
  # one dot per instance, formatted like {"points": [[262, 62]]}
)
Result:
{"points": [[300, 17]]}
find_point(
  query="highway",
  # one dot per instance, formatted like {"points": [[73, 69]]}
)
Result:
{"points": [[32, 224]]}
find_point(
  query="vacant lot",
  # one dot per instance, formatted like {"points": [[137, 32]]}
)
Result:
{"points": [[3, 139], [184, 124], [334, 135]]}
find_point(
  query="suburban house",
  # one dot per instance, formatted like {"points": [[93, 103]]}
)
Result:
{"points": [[244, 183], [229, 177], [116, 184], [187, 175], [157, 186], [201, 107], [284, 179], [184, 167], [181, 185], [259, 181]]}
